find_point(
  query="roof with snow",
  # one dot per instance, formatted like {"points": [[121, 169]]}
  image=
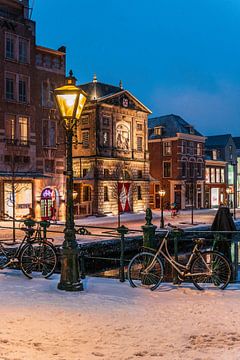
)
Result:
{"points": [[217, 141], [171, 125]]}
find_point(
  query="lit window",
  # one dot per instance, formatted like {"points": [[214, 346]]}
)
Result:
{"points": [[167, 148], [199, 149], [158, 130], [23, 130], [10, 128]]}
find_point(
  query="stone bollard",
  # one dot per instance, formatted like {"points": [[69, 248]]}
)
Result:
{"points": [[149, 230]]}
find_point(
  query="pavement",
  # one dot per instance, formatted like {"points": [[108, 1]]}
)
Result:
{"points": [[132, 221]]}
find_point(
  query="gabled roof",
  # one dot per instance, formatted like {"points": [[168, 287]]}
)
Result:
{"points": [[171, 124], [217, 141], [101, 92], [96, 90]]}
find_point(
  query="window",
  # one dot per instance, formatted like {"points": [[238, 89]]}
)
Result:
{"points": [[222, 176], [139, 174], [207, 175], [49, 166], [22, 89], [10, 46], [49, 133], [167, 148], [184, 147], [139, 127], [10, 86], [139, 193], [23, 130], [106, 173], [105, 138], [218, 175], [212, 175], [17, 130], [199, 149], [139, 143], [106, 120], [184, 169], [16, 87], [158, 130], [84, 172], [10, 129], [191, 148], [106, 198], [86, 193], [191, 170], [199, 170], [214, 154], [16, 48], [56, 63], [23, 47], [85, 139], [166, 169]]}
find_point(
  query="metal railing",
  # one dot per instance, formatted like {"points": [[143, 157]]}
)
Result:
{"points": [[124, 242]]}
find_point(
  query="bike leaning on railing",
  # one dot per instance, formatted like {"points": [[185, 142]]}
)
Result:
{"points": [[35, 253], [206, 268]]}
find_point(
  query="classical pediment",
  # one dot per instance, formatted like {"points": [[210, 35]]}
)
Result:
{"points": [[124, 99]]}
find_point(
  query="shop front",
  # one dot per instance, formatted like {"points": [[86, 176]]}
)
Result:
{"points": [[18, 198], [49, 204]]}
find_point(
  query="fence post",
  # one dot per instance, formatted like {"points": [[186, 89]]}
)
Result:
{"points": [[122, 230], [149, 230]]}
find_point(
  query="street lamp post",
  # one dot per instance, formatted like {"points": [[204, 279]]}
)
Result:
{"points": [[162, 193], [70, 100]]}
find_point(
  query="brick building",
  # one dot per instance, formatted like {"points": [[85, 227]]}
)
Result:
{"points": [[31, 163], [111, 166], [176, 154]]}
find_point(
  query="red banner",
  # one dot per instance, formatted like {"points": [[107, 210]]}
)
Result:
{"points": [[124, 197]]}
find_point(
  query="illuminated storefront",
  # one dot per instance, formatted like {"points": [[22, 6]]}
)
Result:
{"points": [[18, 194]]}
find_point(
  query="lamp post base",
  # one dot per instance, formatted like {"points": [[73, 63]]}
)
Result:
{"points": [[70, 278]]}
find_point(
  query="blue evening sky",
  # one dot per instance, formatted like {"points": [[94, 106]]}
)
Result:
{"points": [[176, 56]]}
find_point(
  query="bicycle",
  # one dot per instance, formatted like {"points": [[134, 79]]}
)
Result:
{"points": [[35, 252], [205, 268]]}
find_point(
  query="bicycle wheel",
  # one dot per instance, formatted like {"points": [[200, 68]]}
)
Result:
{"points": [[152, 277], [38, 257], [211, 270]]}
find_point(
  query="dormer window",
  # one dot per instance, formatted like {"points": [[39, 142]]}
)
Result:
{"points": [[158, 130], [214, 154], [190, 129]]}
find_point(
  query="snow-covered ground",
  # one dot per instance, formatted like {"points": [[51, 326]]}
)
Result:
{"points": [[110, 320]]}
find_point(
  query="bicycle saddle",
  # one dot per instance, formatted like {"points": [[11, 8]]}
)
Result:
{"points": [[199, 241]]}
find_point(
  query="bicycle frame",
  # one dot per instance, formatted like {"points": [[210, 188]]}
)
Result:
{"points": [[183, 270]]}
